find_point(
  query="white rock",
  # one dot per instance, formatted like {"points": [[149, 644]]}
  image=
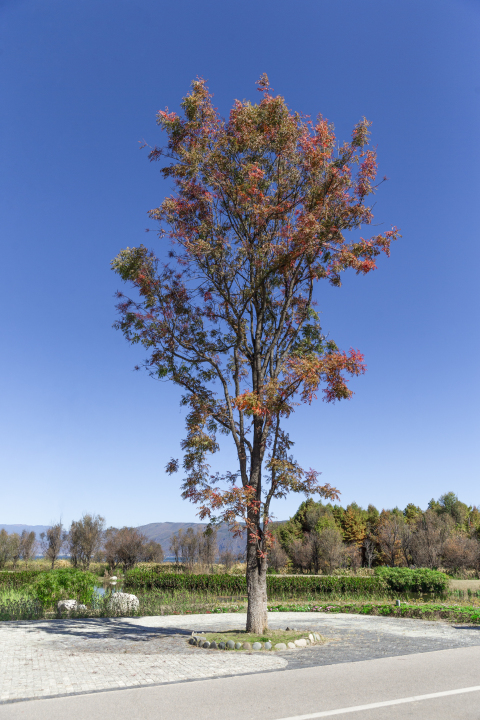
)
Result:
{"points": [[123, 602], [301, 643], [66, 605], [311, 638], [291, 645], [281, 646], [69, 605]]}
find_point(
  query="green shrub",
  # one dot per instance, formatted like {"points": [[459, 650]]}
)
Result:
{"points": [[18, 578], [55, 585], [405, 580], [296, 586]]}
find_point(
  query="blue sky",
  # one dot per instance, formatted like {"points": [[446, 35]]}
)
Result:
{"points": [[80, 86]]}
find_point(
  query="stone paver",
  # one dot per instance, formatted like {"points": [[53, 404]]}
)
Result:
{"points": [[58, 657]]}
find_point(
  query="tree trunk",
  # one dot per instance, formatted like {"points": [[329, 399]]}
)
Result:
{"points": [[257, 619]]}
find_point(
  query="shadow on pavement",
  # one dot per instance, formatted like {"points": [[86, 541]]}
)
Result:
{"points": [[99, 628]]}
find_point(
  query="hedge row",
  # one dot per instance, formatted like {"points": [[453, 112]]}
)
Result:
{"points": [[18, 578], [421, 580], [386, 580], [392, 581], [296, 586]]}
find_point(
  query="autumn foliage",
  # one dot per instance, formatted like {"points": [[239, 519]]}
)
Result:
{"points": [[326, 537], [261, 211]]}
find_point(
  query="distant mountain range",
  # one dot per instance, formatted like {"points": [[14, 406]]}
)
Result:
{"points": [[37, 529], [160, 532]]}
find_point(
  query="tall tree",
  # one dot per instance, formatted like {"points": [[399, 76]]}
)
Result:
{"points": [[189, 547], [125, 547], [53, 541], [175, 545], [390, 529], [15, 549], [261, 206], [85, 539], [207, 544], [353, 525], [5, 547], [28, 546]]}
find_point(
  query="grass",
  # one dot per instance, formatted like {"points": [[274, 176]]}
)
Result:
{"points": [[184, 602], [42, 564], [424, 611], [14, 595], [19, 605], [457, 606], [469, 596], [273, 636]]}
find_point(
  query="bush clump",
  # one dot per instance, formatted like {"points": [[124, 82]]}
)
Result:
{"points": [[406, 580], [63, 584]]}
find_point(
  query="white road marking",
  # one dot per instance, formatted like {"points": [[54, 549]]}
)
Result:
{"points": [[386, 703]]}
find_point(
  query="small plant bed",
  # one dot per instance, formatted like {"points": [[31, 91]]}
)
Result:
{"points": [[289, 639], [422, 611]]}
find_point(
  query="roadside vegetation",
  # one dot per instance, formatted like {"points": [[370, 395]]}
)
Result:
{"points": [[324, 559], [401, 592], [327, 538]]}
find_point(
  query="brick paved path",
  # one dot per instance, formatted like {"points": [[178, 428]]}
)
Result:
{"points": [[58, 657]]}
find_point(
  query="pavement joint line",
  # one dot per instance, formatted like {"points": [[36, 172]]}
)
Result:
{"points": [[384, 703]]}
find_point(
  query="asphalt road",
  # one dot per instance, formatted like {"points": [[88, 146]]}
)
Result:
{"points": [[389, 688]]}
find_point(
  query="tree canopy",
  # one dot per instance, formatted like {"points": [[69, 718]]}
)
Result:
{"points": [[261, 211]]}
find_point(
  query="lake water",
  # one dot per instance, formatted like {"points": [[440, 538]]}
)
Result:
{"points": [[101, 589]]}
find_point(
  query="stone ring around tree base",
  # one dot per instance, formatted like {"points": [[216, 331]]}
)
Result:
{"points": [[202, 642]]}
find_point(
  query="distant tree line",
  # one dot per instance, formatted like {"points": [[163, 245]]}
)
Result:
{"points": [[319, 538], [192, 547], [15, 547], [87, 540], [322, 538]]}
